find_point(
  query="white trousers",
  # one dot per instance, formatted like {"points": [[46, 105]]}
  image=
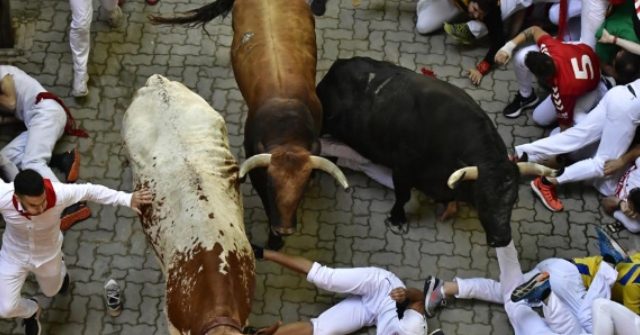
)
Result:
{"points": [[32, 148], [79, 34], [351, 159], [369, 288], [49, 275], [566, 283], [609, 318], [613, 121], [559, 317], [573, 16], [592, 17]]}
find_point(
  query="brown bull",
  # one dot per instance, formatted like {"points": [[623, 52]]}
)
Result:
{"points": [[274, 62], [178, 148]]}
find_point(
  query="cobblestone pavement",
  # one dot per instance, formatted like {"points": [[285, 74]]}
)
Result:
{"points": [[336, 228]]}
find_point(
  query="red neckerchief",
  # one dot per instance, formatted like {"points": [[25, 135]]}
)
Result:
{"points": [[70, 128], [49, 193], [622, 182]]}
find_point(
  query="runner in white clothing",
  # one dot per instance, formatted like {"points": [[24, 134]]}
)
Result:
{"points": [[377, 298], [567, 310], [46, 118], [613, 121], [79, 37], [32, 241]]}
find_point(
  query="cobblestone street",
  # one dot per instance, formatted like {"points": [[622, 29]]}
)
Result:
{"points": [[336, 228]]}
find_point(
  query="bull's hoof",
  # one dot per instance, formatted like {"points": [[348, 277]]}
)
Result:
{"points": [[275, 242], [399, 228], [318, 7]]}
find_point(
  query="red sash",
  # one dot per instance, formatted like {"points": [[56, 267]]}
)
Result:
{"points": [[70, 128]]}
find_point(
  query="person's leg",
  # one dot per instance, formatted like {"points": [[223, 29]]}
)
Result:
{"points": [[8, 170], [358, 281], [545, 113], [523, 74], [617, 134], [600, 288], [565, 281], [12, 305], [476, 288], [559, 317], [524, 320], [43, 131], [510, 272], [345, 317], [611, 318], [79, 40], [349, 158], [432, 14], [50, 275], [593, 13], [582, 134], [295, 263]]}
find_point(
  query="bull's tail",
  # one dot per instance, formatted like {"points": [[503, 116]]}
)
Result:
{"points": [[197, 16]]}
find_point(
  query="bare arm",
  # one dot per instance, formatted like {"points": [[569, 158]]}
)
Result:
{"points": [[533, 33], [7, 94], [632, 47]]}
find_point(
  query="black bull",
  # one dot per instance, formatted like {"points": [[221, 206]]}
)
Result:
{"points": [[424, 129]]}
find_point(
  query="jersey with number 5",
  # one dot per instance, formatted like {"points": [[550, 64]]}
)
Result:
{"points": [[577, 72]]}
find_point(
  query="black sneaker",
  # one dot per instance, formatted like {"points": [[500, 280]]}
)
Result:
{"points": [[32, 324], [519, 103], [68, 163], [534, 290], [65, 285]]}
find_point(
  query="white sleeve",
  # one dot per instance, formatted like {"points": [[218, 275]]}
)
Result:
{"points": [[69, 194], [633, 225]]}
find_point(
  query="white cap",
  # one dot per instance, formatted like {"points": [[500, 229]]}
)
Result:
{"points": [[412, 323]]}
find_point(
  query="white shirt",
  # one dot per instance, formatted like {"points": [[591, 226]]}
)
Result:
{"points": [[27, 89], [37, 240]]}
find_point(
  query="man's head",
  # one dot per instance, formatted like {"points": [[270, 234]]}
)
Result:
{"points": [[29, 188], [542, 66], [479, 9], [633, 200], [627, 67]]}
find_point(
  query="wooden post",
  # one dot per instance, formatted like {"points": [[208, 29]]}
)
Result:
{"points": [[6, 29]]}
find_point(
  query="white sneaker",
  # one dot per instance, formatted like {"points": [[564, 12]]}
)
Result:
{"points": [[80, 88], [112, 296], [113, 18]]}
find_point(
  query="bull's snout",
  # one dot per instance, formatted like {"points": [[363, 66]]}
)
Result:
{"points": [[283, 231]]}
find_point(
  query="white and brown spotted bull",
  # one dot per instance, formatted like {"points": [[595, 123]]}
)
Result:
{"points": [[178, 148], [274, 62]]}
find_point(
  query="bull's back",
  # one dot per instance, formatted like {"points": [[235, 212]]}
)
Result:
{"points": [[274, 50], [178, 148], [379, 108]]}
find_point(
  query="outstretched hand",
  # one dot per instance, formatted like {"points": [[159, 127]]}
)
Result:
{"points": [[139, 198]]}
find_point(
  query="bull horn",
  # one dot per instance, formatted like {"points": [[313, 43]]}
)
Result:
{"points": [[527, 168], [466, 173], [330, 168], [259, 160]]}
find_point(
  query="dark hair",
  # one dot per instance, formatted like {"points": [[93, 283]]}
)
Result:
{"points": [[627, 66], [634, 198], [487, 6], [541, 65], [28, 182]]}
